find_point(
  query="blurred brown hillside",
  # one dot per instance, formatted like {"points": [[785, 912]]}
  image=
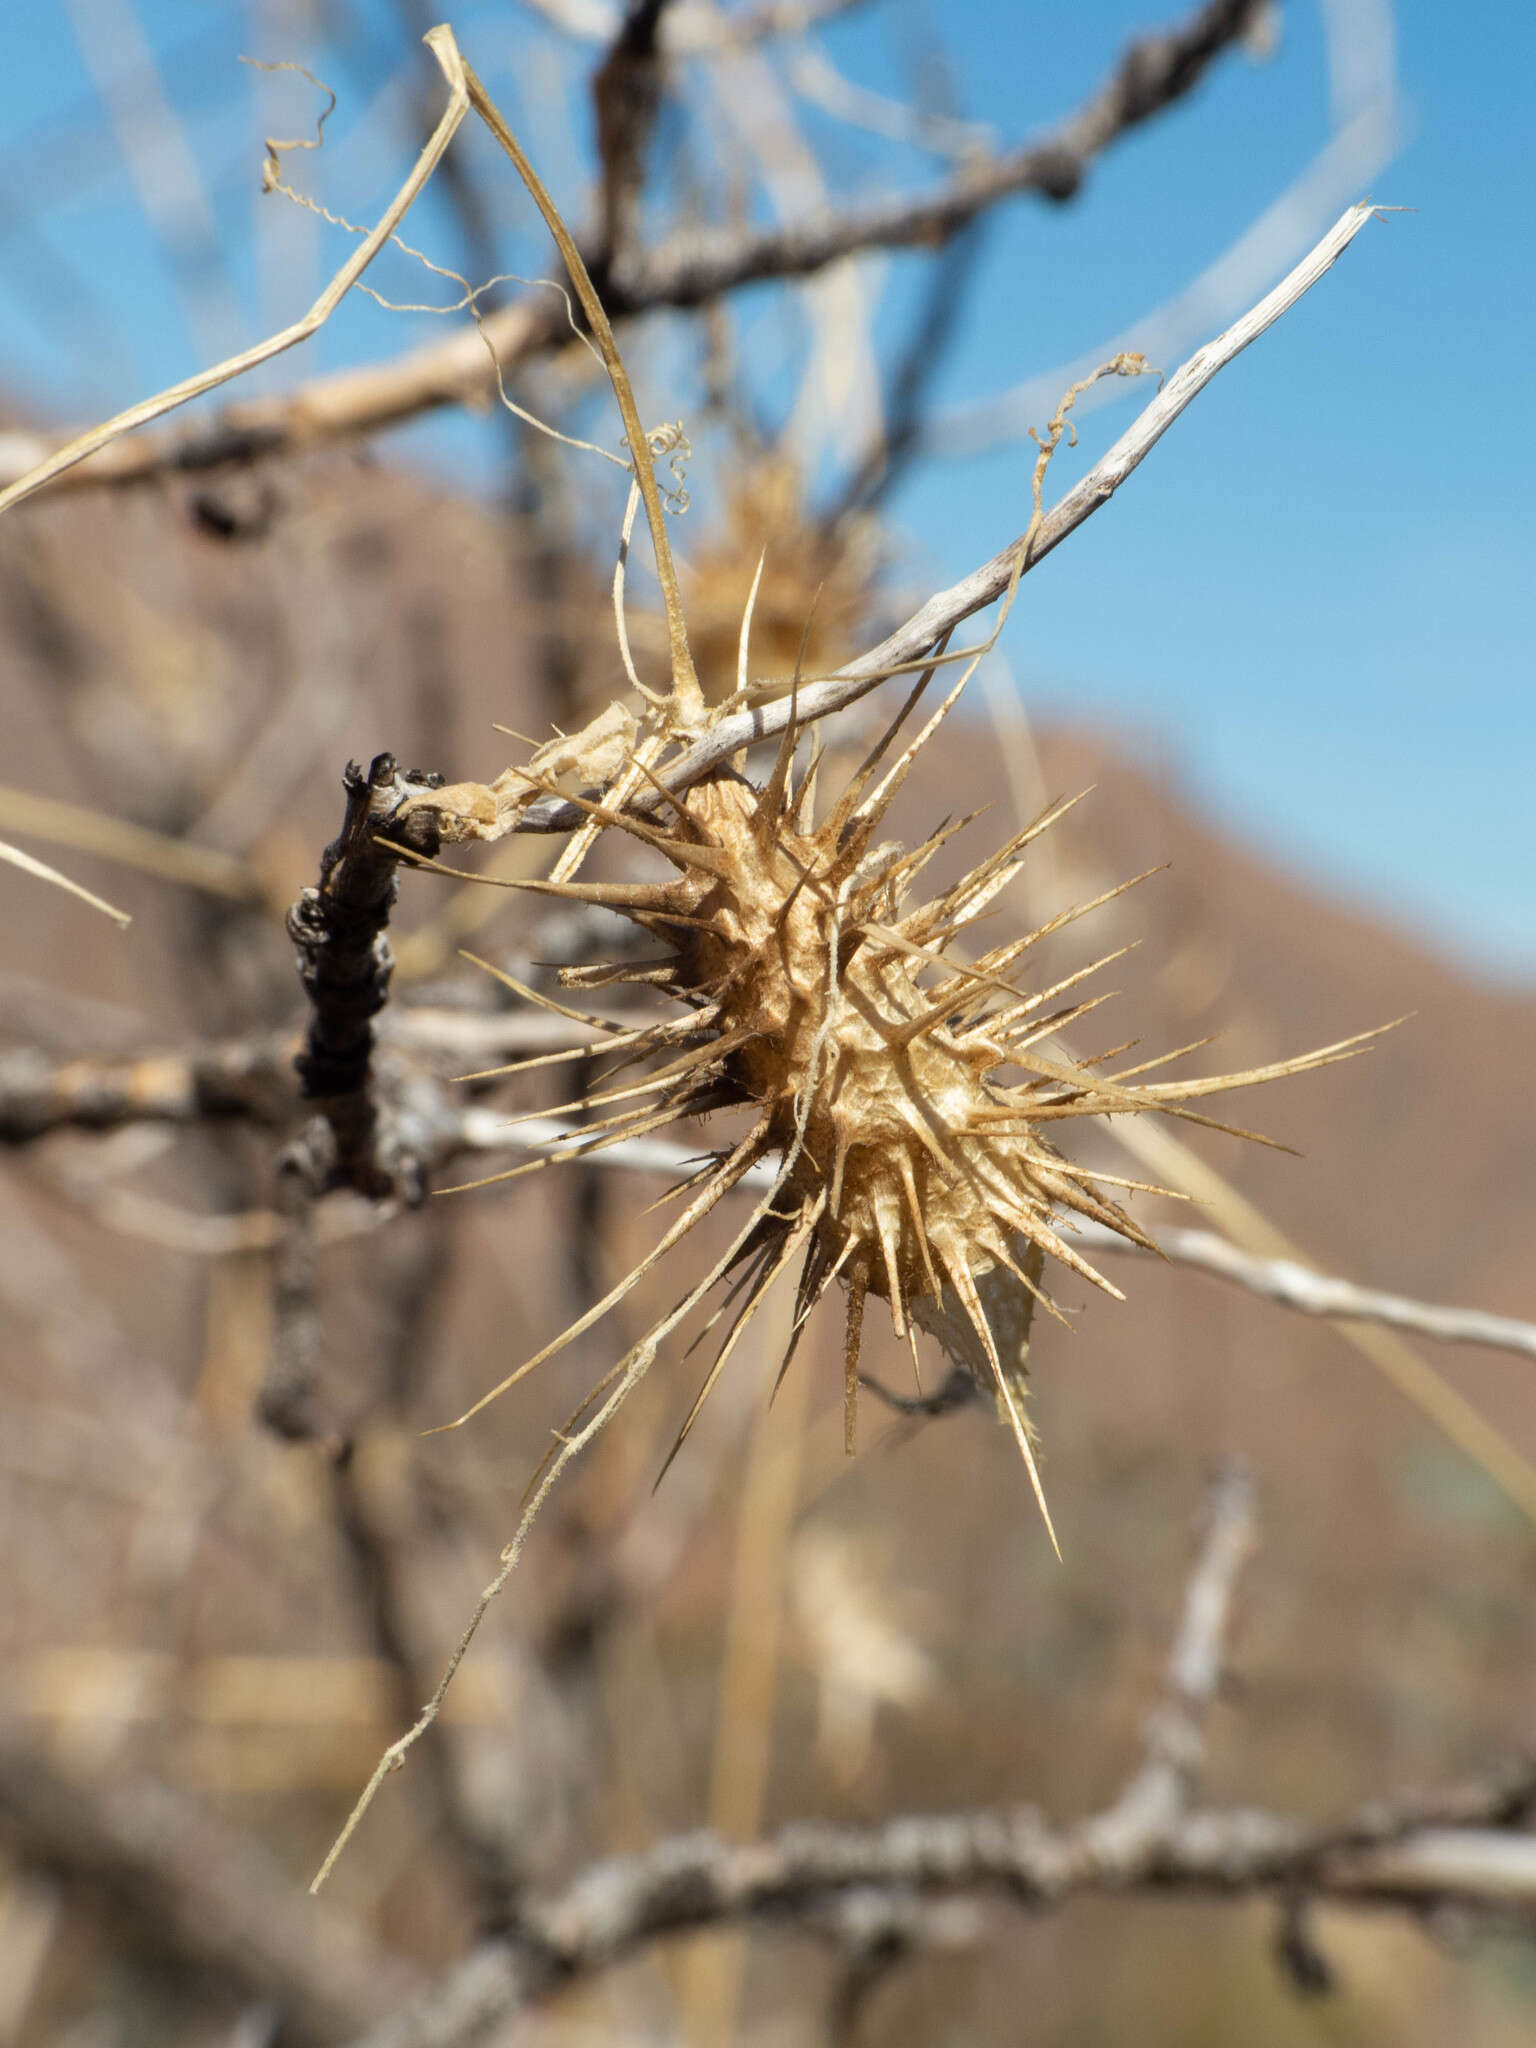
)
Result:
{"points": [[191, 1602]]}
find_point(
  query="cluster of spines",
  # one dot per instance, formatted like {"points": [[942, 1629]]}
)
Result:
{"points": [[905, 1167]]}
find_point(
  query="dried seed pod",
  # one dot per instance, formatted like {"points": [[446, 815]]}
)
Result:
{"points": [[909, 1164]]}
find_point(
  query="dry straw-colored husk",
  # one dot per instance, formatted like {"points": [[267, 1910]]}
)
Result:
{"points": [[900, 1092]]}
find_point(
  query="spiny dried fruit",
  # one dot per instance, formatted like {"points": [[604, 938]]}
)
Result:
{"points": [[901, 1091], [767, 550]]}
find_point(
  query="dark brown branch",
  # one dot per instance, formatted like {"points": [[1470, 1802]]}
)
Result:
{"points": [[1153, 73], [186, 1890], [626, 98], [695, 31], [685, 271], [345, 965]]}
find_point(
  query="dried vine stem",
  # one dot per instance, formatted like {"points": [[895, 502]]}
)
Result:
{"points": [[1290, 1284], [688, 698], [686, 271], [910, 646], [1286, 1282], [587, 1422], [488, 812], [148, 409]]}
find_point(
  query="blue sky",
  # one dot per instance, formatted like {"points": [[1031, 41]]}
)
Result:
{"points": [[1312, 603]]}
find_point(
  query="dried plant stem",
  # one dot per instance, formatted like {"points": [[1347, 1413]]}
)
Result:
{"points": [[132, 846], [1285, 1279], [189, 388], [694, 266], [41, 872], [910, 645], [635, 1367], [1415, 1379], [688, 697], [748, 1684]]}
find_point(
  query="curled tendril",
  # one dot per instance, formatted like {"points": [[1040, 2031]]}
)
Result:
{"points": [[669, 439], [271, 169]]}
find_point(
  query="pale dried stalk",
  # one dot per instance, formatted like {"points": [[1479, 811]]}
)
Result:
{"points": [[204, 381], [1286, 1281], [610, 1394], [1415, 1379], [131, 846], [909, 646], [40, 871], [748, 1683], [1289, 1283], [688, 270], [688, 698]]}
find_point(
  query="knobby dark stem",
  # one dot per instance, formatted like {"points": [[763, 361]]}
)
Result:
{"points": [[626, 100], [345, 964]]}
